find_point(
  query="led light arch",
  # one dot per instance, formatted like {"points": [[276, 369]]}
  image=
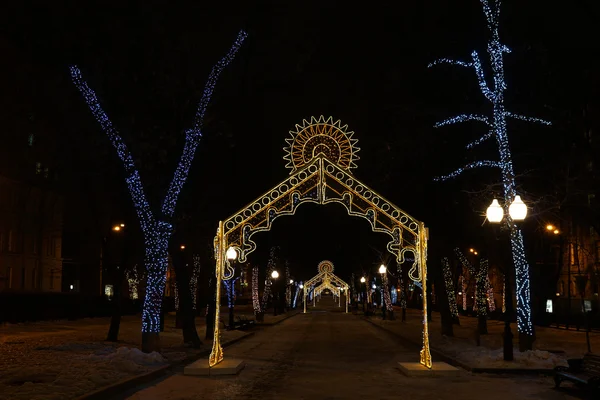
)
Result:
{"points": [[321, 176], [326, 279]]}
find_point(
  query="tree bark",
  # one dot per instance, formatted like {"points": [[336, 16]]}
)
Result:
{"points": [[186, 309], [156, 266], [210, 311]]}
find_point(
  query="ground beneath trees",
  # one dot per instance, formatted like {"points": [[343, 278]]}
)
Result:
{"points": [[327, 354]]}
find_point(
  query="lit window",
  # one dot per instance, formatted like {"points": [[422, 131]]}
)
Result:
{"points": [[30, 139]]}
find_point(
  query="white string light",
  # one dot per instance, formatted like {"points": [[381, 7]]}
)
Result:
{"points": [[495, 95], [157, 231], [449, 287]]}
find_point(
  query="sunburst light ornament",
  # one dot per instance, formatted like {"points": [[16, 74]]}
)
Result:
{"points": [[321, 136]]}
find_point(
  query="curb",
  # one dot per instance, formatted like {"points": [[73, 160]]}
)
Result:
{"points": [[130, 383], [453, 361]]}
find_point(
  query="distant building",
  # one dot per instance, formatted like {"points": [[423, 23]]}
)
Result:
{"points": [[31, 206]]}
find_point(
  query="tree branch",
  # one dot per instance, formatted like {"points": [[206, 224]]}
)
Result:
{"points": [[192, 136], [451, 62], [476, 164], [483, 86], [132, 176], [527, 119], [482, 139], [463, 118]]}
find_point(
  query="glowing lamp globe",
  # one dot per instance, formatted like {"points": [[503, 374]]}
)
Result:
{"points": [[291, 281], [382, 269], [231, 253], [274, 274], [494, 212], [363, 280], [518, 209], [301, 286]]}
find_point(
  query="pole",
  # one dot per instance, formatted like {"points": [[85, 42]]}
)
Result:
{"points": [[304, 290], [216, 354]]}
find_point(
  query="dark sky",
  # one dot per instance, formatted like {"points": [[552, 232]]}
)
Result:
{"points": [[365, 64]]}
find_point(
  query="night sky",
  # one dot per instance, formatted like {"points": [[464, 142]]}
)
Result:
{"points": [[363, 64]]}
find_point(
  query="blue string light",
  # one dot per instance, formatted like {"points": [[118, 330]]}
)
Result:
{"points": [[495, 95], [157, 231], [230, 290]]}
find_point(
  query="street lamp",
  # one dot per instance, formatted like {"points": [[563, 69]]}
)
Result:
{"points": [[291, 281], [362, 280], [182, 247], [275, 275], [231, 253], [301, 286], [382, 269], [517, 211]]}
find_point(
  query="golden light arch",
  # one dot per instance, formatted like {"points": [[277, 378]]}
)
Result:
{"points": [[326, 279], [321, 154]]}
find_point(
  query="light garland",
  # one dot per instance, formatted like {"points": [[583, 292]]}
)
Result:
{"points": [[481, 294], [230, 290], [387, 301], [449, 287], [464, 293], [497, 124], [133, 281], [194, 280], [255, 296], [490, 296], [504, 296], [156, 230], [272, 263]]}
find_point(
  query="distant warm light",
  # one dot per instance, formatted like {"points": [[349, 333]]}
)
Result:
{"points": [[382, 269], [472, 250], [291, 281], [556, 231], [182, 247], [550, 227], [116, 228], [475, 253], [122, 225], [274, 274], [362, 280], [71, 287]]}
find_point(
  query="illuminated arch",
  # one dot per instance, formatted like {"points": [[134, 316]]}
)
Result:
{"points": [[320, 174]]}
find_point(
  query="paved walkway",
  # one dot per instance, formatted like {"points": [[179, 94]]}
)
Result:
{"points": [[327, 354]]}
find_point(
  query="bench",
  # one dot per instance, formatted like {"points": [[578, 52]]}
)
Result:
{"points": [[585, 371], [245, 322]]}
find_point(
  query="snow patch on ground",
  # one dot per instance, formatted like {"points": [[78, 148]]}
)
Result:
{"points": [[483, 357]]}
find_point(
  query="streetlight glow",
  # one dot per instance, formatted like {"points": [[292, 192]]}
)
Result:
{"points": [[291, 281], [362, 280], [122, 225], [274, 274], [494, 212], [556, 231], [231, 253], [301, 286], [517, 210], [182, 247], [382, 269], [472, 250], [549, 227], [116, 228]]}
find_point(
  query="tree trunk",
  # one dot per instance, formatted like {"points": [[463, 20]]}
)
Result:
{"points": [[115, 319], [186, 309], [524, 323], [156, 268]]}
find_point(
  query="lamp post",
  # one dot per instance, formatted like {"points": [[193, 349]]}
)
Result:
{"points": [[274, 276], [517, 211], [364, 294]]}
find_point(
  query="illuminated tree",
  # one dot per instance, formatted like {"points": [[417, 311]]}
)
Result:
{"points": [[156, 225], [449, 284], [496, 124]]}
